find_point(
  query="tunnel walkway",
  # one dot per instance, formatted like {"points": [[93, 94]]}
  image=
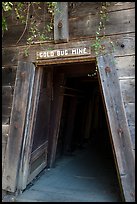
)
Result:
{"points": [[87, 176]]}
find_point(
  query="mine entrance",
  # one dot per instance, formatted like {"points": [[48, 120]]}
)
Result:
{"points": [[84, 133], [83, 119], [79, 144]]}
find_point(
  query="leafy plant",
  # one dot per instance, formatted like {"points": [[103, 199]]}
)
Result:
{"points": [[23, 12], [98, 45], [6, 7]]}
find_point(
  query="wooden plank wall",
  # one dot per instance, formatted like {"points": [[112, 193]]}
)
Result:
{"points": [[83, 21], [8, 80]]}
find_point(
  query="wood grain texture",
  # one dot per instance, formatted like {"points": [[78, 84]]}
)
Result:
{"points": [[127, 39], [6, 112], [10, 56], [5, 120], [118, 125], [61, 26], [25, 74], [93, 7], [119, 22], [7, 95], [5, 131], [130, 111], [114, 6], [132, 132], [3, 153], [41, 126], [28, 139], [8, 76], [13, 34], [128, 90], [125, 66], [124, 44]]}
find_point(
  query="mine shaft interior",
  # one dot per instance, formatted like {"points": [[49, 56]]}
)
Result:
{"points": [[83, 118], [84, 126]]}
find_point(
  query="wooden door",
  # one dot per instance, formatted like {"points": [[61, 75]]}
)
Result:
{"points": [[38, 156], [119, 131]]}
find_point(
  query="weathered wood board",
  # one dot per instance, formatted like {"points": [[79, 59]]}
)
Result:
{"points": [[7, 95], [78, 17], [61, 26], [25, 75], [124, 44], [8, 76], [93, 7], [5, 131], [28, 138], [119, 22], [38, 157], [130, 111], [128, 40], [117, 121], [82, 30], [128, 90], [125, 66], [11, 55], [132, 133], [6, 112], [12, 36]]}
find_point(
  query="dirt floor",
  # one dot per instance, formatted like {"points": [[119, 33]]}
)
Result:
{"points": [[87, 176]]}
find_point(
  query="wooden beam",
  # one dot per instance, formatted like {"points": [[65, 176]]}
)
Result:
{"points": [[61, 27], [69, 88], [119, 130], [22, 94], [56, 110]]}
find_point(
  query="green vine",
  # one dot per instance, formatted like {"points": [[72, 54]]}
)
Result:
{"points": [[98, 46], [26, 13], [6, 7], [101, 40]]}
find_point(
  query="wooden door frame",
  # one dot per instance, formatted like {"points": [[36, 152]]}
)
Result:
{"points": [[122, 148], [27, 140]]}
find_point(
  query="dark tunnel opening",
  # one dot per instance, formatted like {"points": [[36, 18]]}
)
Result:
{"points": [[83, 117], [84, 130]]}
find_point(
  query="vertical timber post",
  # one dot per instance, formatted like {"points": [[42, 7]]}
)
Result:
{"points": [[61, 27], [22, 96], [118, 124]]}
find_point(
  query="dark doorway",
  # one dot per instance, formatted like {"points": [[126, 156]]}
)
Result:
{"points": [[84, 167], [84, 130]]}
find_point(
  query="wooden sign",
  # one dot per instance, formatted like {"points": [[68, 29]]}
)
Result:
{"points": [[70, 52]]}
